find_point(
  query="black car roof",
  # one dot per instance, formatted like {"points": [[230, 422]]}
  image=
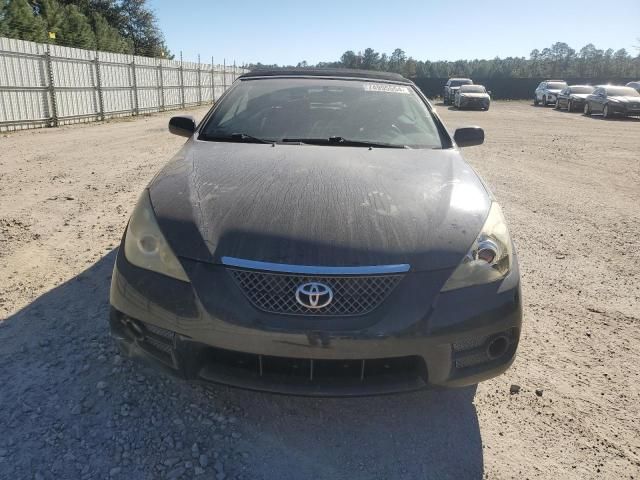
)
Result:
{"points": [[327, 72]]}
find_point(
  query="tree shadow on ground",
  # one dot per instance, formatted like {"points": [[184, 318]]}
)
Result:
{"points": [[71, 408]]}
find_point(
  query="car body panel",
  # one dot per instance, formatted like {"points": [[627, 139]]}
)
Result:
{"points": [[317, 205]]}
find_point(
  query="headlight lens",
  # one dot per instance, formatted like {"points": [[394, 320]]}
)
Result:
{"points": [[489, 258], [146, 247]]}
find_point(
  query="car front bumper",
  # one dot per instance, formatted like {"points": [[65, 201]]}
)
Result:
{"points": [[462, 337], [475, 103]]}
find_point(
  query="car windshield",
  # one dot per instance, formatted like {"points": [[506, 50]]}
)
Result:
{"points": [[472, 89], [316, 109], [556, 85], [622, 92], [581, 89], [457, 83]]}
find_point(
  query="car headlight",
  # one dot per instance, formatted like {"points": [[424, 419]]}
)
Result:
{"points": [[146, 247], [489, 258]]}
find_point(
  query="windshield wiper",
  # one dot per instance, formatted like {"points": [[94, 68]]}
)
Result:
{"points": [[341, 141], [235, 137]]}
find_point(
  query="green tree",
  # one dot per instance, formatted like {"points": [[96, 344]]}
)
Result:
{"points": [[370, 59], [18, 19], [349, 59], [76, 29], [108, 38], [139, 25]]}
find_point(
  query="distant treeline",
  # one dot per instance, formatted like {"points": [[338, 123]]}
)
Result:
{"points": [[121, 26], [559, 60]]}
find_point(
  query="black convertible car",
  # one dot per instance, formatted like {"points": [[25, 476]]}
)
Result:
{"points": [[611, 100], [319, 233]]}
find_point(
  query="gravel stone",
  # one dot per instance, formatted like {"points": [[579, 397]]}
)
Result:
{"points": [[204, 460], [514, 389], [175, 473]]}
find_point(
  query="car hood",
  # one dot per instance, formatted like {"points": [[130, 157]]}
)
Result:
{"points": [[319, 205], [579, 95], [553, 90], [475, 95]]}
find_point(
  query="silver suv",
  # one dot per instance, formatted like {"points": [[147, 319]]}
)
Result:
{"points": [[547, 92]]}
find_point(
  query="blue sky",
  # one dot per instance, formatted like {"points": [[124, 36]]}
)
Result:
{"points": [[286, 32]]}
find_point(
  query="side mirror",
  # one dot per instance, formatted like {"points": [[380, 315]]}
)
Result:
{"points": [[469, 136], [183, 125], [489, 92]]}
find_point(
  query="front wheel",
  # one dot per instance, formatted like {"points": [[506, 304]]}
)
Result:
{"points": [[605, 112], [544, 101], [535, 100], [569, 106], [557, 105], [587, 109]]}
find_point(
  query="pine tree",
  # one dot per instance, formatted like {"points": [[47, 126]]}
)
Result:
{"points": [[76, 29], [19, 20], [108, 38]]}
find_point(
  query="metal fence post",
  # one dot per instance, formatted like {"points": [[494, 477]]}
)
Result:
{"points": [[199, 81], [181, 81], [52, 88], [99, 86], [160, 86], [213, 81], [224, 74], [136, 106]]}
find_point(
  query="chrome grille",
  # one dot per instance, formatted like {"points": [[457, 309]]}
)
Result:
{"points": [[352, 294]]}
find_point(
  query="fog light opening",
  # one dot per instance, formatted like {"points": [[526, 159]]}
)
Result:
{"points": [[134, 328], [498, 347]]}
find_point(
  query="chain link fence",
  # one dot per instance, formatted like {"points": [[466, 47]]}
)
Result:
{"points": [[44, 85]]}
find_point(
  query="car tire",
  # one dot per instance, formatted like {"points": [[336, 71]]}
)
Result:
{"points": [[535, 100], [557, 105], [569, 105], [587, 109], [605, 112], [486, 109], [544, 101]]}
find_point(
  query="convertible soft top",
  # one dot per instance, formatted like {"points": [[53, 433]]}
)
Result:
{"points": [[327, 72]]}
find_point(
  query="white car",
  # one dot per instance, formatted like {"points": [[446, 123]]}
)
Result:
{"points": [[547, 92]]}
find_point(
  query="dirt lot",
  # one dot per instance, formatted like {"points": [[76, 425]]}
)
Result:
{"points": [[70, 407]]}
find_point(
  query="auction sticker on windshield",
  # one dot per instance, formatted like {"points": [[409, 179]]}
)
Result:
{"points": [[385, 88]]}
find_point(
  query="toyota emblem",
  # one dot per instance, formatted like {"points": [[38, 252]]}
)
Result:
{"points": [[314, 295]]}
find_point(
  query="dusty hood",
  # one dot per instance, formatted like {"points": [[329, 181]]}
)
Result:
{"points": [[319, 205]]}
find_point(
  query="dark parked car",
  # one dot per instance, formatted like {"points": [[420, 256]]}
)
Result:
{"points": [[472, 96], [319, 233], [573, 98], [547, 91], [613, 101], [635, 85], [453, 84]]}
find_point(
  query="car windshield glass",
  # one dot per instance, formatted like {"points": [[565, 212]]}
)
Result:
{"points": [[582, 89], [556, 85], [357, 112], [457, 83], [472, 89], [622, 92]]}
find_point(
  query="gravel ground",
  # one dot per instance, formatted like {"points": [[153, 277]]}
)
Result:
{"points": [[70, 407]]}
